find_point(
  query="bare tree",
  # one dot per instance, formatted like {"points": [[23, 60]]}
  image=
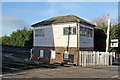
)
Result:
{"points": [[100, 20]]}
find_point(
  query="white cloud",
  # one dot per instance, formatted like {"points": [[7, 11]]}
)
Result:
{"points": [[14, 22]]}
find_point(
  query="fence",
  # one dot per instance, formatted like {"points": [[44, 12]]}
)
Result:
{"points": [[18, 52], [91, 58]]}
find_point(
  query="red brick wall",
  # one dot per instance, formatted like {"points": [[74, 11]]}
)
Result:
{"points": [[59, 53]]}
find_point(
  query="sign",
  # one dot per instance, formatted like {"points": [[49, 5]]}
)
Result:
{"points": [[66, 54], [41, 53], [114, 43], [53, 55]]}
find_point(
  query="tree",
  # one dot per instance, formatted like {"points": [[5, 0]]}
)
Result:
{"points": [[114, 34], [6, 40], [20, 38], [101, 24], [99, 21], [99, 40]]}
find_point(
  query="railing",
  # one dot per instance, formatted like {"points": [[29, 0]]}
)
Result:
{"points": [[91, 58]]}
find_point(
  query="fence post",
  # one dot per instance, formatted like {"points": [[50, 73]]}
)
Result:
{"points": [[82, 57], [85, 58], [105, 58], [93, 54], [91, 58], [110, 58], [97, 58], [79, 58]]}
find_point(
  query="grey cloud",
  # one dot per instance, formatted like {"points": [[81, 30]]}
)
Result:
{"points": [[14, 22], [23, 11]]}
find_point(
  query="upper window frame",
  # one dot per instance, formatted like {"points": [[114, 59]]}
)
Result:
{"points": [[72, 30]]}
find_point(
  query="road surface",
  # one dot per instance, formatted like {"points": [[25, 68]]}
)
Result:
{"points": [[68, 72]]}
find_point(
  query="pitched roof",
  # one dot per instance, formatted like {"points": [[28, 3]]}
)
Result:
{"points": [[62, 19]]}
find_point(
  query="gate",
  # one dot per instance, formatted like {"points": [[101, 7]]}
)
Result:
{"points": [[91, 58]]}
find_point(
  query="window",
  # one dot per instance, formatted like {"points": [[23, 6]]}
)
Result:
{"points": [[82, 31], [69, 30], [41, 53], [53, 55], [86, 31], [90, 32], [39, 32]]}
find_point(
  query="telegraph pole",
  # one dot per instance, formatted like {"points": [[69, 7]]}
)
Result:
{"points": [[108, 29]]}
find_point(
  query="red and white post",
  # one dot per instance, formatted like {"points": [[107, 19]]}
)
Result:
{"points": [[108, 29]]}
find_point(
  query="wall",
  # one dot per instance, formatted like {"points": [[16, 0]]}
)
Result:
{"points": [[47, 39], [55, 40], [54, 37], [59, 51], [85, 41], [61, 40]]}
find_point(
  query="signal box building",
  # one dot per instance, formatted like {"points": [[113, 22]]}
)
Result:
{"points": [[58, 38]]}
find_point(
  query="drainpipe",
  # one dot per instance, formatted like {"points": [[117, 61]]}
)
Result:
{"points": [[78, 25]]}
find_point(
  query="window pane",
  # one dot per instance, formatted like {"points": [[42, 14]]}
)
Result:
{"points": [[39, 32], [90, 32], [66, 30], [82, 31], [74, 30], [86, 32], [69, 30]]}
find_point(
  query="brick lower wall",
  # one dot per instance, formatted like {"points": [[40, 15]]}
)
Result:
{"points": [[59, 54]]}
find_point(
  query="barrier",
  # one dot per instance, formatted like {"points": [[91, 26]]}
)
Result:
{"points": [[91, 58]]}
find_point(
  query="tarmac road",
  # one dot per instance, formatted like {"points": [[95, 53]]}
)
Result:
{"points": [[68, 72]]}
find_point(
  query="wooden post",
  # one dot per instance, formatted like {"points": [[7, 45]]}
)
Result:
{"points": [[80, 58], [84, 55], [94, 58], [110, 58]]}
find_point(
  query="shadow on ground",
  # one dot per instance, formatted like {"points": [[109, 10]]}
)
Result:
{"points": [[11, 64]]}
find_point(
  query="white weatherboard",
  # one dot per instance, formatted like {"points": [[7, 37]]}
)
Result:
{"points": [[41, 53], [114, 43], [53, 55], [66, 55]]}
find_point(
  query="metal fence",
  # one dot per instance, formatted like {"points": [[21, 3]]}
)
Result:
{"points": [[91, 58]]}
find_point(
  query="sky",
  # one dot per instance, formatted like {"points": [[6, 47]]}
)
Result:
{"points": [[16, 15]]}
